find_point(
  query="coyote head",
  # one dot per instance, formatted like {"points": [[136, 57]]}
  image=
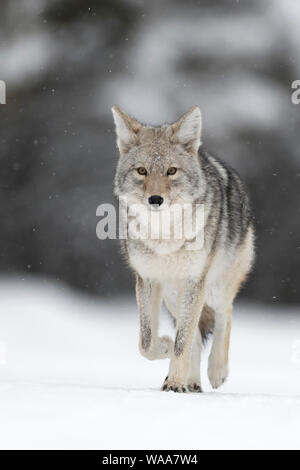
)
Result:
{"points": [[158, 166]]}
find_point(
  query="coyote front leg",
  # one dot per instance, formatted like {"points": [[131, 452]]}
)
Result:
{"points": [[149, 298], [191, 304], [194, 380]]}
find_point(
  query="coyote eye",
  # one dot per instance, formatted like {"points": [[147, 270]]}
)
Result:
{"points": [[142, 171], [172, 170]]}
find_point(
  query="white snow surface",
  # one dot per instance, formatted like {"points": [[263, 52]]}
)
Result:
{"points": [[71, 377]]}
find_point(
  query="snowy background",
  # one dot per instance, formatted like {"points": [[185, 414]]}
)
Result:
{"points": [[70, 372], [74, 380]]}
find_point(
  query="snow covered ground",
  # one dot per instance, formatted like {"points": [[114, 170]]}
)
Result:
{"points": [[71, 377]]}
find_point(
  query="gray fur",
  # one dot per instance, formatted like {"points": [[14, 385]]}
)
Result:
{"points": [[207, 280]]}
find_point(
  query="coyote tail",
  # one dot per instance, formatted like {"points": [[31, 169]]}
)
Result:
{"points": [[206, 322]]}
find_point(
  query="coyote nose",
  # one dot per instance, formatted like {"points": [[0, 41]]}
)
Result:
{"points": [[156, 200]]}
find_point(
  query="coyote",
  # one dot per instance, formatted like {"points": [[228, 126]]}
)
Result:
{"points": [[158, 168]]}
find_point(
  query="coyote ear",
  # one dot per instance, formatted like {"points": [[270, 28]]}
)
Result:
{"points": [[127, 129], [187, 130]]}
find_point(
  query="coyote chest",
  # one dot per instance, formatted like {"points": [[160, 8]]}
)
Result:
{"points": [[166, 267]]}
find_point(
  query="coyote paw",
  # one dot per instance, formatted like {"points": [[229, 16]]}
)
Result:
{"points": [[217, 374], [194, 387], [174, 386], [161, 348]]}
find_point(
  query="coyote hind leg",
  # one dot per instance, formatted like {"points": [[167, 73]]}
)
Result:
{"points": [[223, 299], [218, 358]]}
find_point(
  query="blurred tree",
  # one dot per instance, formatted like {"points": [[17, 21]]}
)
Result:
{"points": [[66, 63]]}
